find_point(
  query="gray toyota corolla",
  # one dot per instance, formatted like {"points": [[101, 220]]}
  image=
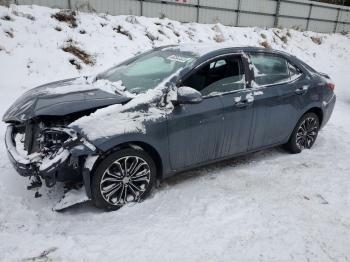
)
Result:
{"points": [[167, 110]]}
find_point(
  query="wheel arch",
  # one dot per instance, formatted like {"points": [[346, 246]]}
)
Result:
{"points": [[318, 111], [154, 154]]}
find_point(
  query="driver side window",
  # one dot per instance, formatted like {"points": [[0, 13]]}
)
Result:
{"points": [[222, 75]]}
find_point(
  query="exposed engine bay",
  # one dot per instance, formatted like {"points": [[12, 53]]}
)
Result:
{"points": [[42, 149]]}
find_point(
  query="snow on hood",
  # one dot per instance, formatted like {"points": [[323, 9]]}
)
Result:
{"points": [[90, 83], [47, 99], [131, 117]]}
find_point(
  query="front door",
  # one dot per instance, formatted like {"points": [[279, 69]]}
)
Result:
{"points": [[195, 133], [237, 100], [220, 125]]}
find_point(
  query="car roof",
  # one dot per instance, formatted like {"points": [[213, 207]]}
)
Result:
{"points": [[204, 52], [207, 51]]}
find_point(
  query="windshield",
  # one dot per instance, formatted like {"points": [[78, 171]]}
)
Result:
{"points": [[148, 70]]}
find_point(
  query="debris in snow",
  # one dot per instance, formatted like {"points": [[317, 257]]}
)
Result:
{"points": [[322, 200], [71, 198], [43, 256]]}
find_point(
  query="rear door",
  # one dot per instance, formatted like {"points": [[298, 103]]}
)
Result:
{"points": [[276, 91]]}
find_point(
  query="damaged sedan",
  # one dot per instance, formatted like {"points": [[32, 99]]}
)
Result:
{"points": [[168, 110]]}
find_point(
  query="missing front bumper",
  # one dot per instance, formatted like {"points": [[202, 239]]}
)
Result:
{"points": [[37, 164]]}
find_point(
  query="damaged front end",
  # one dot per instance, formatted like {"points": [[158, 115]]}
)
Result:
{"points": [[47, 152]]}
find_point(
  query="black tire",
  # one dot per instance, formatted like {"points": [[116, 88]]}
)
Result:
{"points": [[110, 176], [304, 134]]}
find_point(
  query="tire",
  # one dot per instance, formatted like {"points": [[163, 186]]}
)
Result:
{"points": [[114, 186], [304, 134]]}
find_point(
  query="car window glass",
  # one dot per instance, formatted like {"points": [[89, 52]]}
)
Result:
{"points": [[149, 70], [219, 76], [217, 64], [151, 65], [294, 72], [269, 69]]}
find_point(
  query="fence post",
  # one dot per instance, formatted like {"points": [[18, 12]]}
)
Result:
{"points": [[141, 7], [308, 18], [278, 5], [238, 12], [336, 22], [69, 4], [198, 6]]}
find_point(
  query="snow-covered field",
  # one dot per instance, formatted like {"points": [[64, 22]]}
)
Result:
{"points": [[267, 206]]}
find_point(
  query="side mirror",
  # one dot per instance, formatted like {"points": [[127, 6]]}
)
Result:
{"points": [[188, 95]]}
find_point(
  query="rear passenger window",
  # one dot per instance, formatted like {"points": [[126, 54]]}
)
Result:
{"points": [[270, 70]]}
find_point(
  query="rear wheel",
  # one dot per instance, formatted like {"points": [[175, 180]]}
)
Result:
{"points": [[304, 134], [125, 176]]}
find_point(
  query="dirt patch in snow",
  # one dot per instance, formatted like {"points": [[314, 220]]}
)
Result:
{"points": [[9, 33], [67, 16], [281, 36], [316, 40], [79, 53], [7, 18], [119, 29], [265, 44], [20, 14], [43, 255]]}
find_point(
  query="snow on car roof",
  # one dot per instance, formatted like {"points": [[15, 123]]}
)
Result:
{"points": [[199, 49]]}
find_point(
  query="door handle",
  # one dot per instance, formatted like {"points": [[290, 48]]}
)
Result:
{"points": [[301, 90], [243, 103]]}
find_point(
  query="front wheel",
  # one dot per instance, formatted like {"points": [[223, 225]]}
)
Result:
{"points": [[304, 134], [125, 176]]}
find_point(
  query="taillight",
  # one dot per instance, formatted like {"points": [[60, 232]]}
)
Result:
{"points": [[331, 86]]}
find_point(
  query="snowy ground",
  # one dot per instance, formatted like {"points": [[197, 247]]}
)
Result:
{"points": [[267, 206]]}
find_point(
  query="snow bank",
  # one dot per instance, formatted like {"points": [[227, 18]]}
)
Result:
{"points": [[29, 45]]}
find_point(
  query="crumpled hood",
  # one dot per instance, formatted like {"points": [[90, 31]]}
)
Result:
{"points": [[60, 98]]}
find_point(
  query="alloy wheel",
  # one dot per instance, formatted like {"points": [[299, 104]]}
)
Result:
{"points": [[125, 180], [307, 133]]}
